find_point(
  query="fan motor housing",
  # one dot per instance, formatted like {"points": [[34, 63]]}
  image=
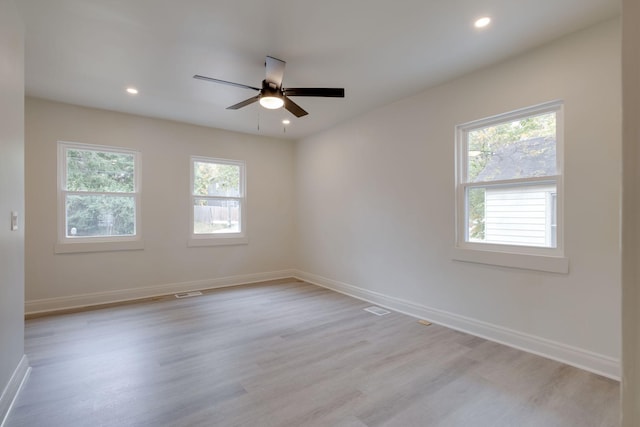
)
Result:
{"points": [[270, 89]]}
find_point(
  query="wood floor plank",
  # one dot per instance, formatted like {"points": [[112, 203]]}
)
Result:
{"points": [[287, 353]]}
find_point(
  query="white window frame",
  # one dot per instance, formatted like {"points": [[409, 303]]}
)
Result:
{"points": [[217, 239], [516, 256], [100, 243]]}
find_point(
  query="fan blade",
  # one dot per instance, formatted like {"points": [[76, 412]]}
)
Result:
{"points": [[294, 108], [315, 91], [275, 70], [244, 103], [224, 82]]}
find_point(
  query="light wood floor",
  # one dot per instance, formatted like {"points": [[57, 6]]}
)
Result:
{"points": [[289, 354]]}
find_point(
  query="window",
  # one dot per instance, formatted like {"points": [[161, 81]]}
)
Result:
{"points": [[98, 198], [217, 202], [509, 183]]}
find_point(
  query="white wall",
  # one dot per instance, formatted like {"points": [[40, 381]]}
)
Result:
{"points": [[11, 199], [166, 264], [376, 205], [630, 214]]}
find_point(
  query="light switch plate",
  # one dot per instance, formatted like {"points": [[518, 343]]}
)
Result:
{"points": [[14, 221]]}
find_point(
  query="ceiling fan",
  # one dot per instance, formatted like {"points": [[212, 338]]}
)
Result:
{"points": [[272, 95]]}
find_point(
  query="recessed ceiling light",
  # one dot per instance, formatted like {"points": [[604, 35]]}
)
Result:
{"points": [[132, 90], [286, 121], [482, 22]]}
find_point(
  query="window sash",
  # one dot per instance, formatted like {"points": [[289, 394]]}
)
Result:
{"points": [[462, 146], [214, 161], [65, 235], [551, 231], [240, 198], [229, 219], [513, 182], [66, 146], [63, 194], [463, 184], [100, 193]]}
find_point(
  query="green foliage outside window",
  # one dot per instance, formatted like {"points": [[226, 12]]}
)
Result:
{"points": [[216, 179], [90, 171]]}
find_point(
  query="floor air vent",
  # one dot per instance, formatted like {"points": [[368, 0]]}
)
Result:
{"points": [[188, 294], [377, 310]]}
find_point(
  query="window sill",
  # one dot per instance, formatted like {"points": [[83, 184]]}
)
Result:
{"points": [[80, 247], [195, 242], [551, 264]]}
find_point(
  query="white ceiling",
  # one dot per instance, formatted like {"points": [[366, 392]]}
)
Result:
{"points": [[87, 52]]}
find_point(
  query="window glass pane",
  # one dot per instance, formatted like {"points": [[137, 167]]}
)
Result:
{"points": [[512, 215], [216, 179], [100, 216], [99, 171], [523, 148], [216, 216], [475, 199]]}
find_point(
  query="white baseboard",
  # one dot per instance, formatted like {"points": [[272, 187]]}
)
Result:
{"points": [[580, 358], [11, 391], [98, 298]]}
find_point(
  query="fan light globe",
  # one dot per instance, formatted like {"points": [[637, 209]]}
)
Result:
{"points": [[271, 102], [482, 22]]}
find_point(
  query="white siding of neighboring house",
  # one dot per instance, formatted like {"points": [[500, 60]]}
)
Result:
{"points": [[519, 215]]}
